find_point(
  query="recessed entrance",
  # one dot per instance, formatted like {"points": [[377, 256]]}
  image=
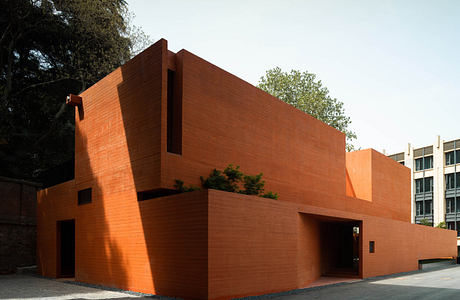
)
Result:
{"points": [[328, 246], [66, 248], [340, 248]]}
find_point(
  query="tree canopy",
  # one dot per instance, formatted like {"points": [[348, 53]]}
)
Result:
{"points": [[48, 49], [303, 91]]}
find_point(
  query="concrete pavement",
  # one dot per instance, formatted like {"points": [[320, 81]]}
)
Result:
{"points": [[32, 287], [437, 284]]}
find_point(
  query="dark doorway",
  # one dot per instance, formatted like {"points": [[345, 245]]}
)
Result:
{"points": [[66, 248], [340, 248]]}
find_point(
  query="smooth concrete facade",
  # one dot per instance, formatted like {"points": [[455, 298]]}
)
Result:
{"points": [[164, 116]]}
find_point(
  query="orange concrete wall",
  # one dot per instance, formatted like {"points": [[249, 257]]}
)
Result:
{"points": [[53, 204], [227, 120], [399, 245], [210, 243], [391, 185], [164, 254], [371, 176], [252, 244], [118, 128], [359, 174], [308, 250], [224, 244], [121, 242]]}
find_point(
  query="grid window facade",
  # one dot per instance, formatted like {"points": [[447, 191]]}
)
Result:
{"points": [[424, 185], [450, 205], [419, 208], [452, 181], [428, 207], [424, 163], [452, 157]]}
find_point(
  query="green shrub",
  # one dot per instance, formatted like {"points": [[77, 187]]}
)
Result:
{"points": [[230, 180], [233, 174], [253, 184], [270, 195], [442, 225], [425, 222], [179, 185], [218, 181]]}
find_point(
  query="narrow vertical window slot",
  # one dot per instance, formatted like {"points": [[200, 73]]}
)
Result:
{"points": [[174, 117]]}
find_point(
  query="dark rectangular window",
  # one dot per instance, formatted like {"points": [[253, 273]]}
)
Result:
{"points": [[428, 184], [428, 207], [457, 205], [450, 181], [419, 164], [428, 161], [174, 116], [424, 163], [371, 246], [457, 156], [402, 163], [419, 208], [450, 158], [84, 196], [450, 205], [419, 185], [450, 225]]}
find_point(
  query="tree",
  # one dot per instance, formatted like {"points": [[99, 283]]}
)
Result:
{"points": [[303, 91], [48, 49]]}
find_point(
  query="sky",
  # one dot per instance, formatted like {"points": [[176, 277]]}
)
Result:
{"points": [[394, 64]]}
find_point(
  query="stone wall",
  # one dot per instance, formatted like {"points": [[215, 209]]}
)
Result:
{"points": [[17, 224]]}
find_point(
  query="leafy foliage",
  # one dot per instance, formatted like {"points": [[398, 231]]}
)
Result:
{"points": [[303, 91], [270, 195], [218, 181], [253, 184], [233, 174], [425, 222], [179, 185], [442, 225], [230, 180], [48, 49]]}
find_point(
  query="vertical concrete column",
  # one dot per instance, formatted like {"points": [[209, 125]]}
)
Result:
{"points": [[409, 162], [438, 184]]}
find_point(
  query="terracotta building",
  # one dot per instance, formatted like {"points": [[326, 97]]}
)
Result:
{"points": [[164, 116]]}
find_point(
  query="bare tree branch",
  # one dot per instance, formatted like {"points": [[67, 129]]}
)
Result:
{"points": [[5, 32]]}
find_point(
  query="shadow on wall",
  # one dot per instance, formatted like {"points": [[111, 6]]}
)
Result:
{"points": [[98, 258], [175, 232], [349, 190]]}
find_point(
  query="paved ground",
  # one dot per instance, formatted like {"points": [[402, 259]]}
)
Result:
{"points": [[437, 284], [32, 287]]}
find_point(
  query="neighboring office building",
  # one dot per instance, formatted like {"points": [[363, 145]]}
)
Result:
{"points": [[164, 116], [435, 179]]}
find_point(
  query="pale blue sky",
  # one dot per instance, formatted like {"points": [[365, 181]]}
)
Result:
{"points": [[394, 64]]}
